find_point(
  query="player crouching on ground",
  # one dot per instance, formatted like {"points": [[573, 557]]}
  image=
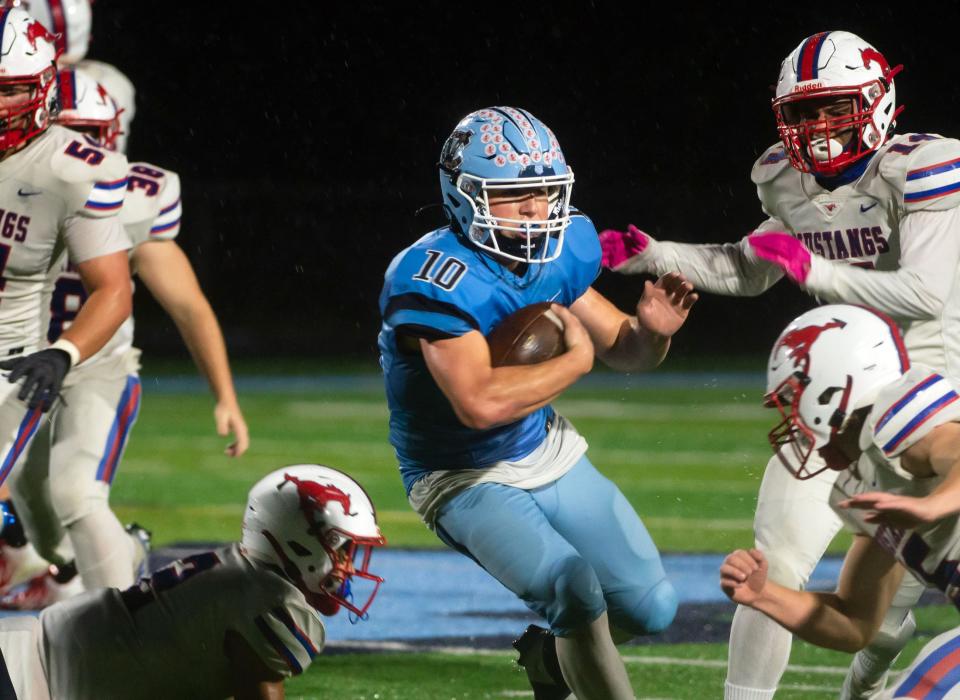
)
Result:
{"points": [[841, 380], [233, 622], [485, 460]]}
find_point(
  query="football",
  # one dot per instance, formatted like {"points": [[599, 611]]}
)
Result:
{"points": [[527, 336]]}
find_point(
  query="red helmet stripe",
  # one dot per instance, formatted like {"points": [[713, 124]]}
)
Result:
{"points": [[68, 89], [59, 25], [895, 334], [809, 57]]}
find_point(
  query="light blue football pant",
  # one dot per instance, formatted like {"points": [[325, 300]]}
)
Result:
{"points": [[569, 550]]}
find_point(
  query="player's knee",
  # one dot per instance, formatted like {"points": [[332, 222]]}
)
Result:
{"points": [[646, 611], [787, 570], [71, 503], [577, 598]]}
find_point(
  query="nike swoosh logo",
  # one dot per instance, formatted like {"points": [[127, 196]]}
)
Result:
{"points": [[863, 208], [554, 297], [27, 194]]}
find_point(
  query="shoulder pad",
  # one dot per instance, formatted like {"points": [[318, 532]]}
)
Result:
{"points": [[153, 199], [288, 637], [583, 241], [924, 169], [437, 283], [909, 408], [92, 180], [770, 164], [77, 160]]}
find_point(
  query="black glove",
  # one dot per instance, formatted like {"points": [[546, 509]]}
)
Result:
{"points": [[44, 372]]}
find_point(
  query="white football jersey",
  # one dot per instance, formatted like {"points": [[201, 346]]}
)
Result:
{"points": [[900, 220], [905, 412], [56, 192], [163, 638], [151, 212], [119, 87], [900, 213]]}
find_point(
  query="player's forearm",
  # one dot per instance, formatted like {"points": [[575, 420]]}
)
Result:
{"points": [[814, 617], [508, 394], [635, 349], [99, 318], [201, 334], [902, 294], [715, 268]]}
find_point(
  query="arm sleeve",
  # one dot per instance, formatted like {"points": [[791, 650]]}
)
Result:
{"points": [[286, 640], [723, 268], [90, 238], [929, 257]]}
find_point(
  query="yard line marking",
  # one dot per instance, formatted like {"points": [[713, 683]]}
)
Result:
{"points": [[644, 660]]}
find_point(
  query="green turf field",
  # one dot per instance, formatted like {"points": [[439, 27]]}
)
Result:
{"points": [[690, 460]]}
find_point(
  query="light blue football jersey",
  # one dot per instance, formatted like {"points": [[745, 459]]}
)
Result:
{"points": [[442, 287]]}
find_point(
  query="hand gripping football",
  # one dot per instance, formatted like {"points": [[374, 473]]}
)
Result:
{"points": [[527, 336]]}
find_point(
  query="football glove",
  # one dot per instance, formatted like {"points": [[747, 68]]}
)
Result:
{"points": [[43, 374], [784, 251], [620, 246]]}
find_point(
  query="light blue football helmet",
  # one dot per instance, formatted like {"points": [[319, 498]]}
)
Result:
{"points": [[502, 148]]}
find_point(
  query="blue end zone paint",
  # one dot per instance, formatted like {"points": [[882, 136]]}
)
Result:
{"points": [[431, 595], [440, 595]]}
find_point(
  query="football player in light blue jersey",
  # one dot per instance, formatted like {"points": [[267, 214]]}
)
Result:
{"points": [[485, 460]]}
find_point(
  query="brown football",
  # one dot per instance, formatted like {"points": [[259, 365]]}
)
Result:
{"points": [[527, 336]]}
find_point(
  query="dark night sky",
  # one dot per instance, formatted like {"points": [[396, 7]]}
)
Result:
{"points": [[307, 135]]}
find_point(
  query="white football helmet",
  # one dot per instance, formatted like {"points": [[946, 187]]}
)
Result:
{"points": [[86, 106], [824, 67], [28, 94], [319, 527], [68, 20], [826, 364]]}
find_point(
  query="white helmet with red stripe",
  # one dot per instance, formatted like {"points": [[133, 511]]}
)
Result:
{"points": [[28, 93], [86, 106], [68, 20], [829, 67], [825, 365], [319, 527]]}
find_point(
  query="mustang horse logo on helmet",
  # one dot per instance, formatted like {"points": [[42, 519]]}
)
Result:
{"points": [[799, 341], [315, 496], [35, 31]]}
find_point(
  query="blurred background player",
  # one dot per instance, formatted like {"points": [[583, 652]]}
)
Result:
{"points": [[871, 218], [62, 495], [70, 21], [234, 622], [485, 460], [841, 380], [58, 194]]}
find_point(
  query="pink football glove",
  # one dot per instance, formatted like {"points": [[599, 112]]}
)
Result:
{"points": [[782, 250], [620, 246]]}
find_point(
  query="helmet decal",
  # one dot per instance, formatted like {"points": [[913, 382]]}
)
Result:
{"points": [[315, 497], [35, 31], [799, 341]]}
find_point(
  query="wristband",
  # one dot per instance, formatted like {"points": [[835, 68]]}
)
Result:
{"points": [[72, 350]]}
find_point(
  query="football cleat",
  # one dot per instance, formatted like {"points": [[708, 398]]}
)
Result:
{"points": [[142, 539], [538, 657], [40, 592]]}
